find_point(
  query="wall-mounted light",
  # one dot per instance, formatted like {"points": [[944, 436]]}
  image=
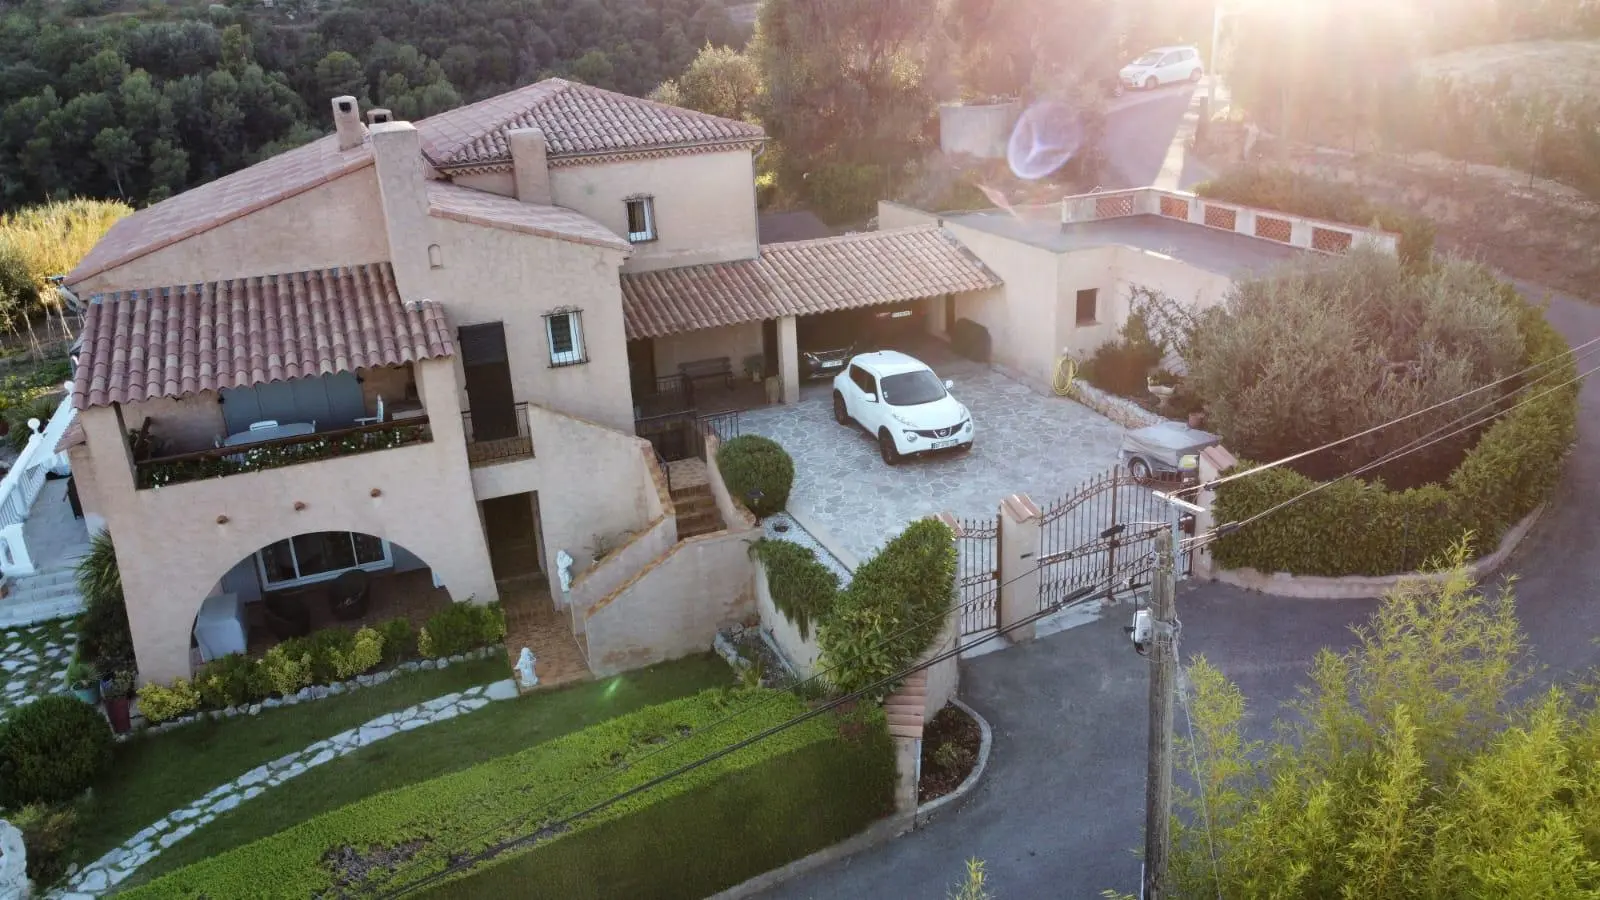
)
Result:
{"points": [[222, 520], [299, 505], [376, 493]]}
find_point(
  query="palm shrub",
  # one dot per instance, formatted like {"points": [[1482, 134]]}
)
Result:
{"points": [[758, 473], [103, 633], [50, 750]]}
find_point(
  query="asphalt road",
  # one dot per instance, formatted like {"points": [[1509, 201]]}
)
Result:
{"points": [[1060, 810], [1146, 140]]}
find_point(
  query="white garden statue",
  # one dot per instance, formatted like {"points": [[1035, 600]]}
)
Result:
{"points": [[525, 673], [13, 864], [564, 569]]}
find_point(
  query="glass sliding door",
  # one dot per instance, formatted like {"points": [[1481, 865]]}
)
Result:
{"points": [[320, 556]]}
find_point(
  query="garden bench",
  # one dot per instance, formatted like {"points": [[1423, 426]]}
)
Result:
{"points": [[715, 367]]}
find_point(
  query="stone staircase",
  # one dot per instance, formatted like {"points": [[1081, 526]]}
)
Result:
{"points": [[40, 597], [56, 541], [691, 498]]}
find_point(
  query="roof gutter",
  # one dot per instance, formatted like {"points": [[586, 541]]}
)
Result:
{"points": [[712, 146]]}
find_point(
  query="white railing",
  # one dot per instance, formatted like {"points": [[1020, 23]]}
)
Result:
{"points": [[21, 486], [1316, 235]]}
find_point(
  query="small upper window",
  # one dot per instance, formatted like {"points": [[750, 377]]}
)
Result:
{"points": [[1088, 303], [641, 219], [565, 331]]}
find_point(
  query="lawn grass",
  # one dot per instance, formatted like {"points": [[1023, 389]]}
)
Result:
{"points": [[497, 730], [153, 775]]}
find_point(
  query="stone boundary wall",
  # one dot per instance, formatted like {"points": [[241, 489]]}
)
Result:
{"points": [[1120, 410]]}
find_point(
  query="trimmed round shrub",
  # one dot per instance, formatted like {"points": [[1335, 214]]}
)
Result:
{"points": [[752, 464], [50, 750]]}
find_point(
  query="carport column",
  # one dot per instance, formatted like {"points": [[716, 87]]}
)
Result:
{"points": [[1018, 564], [789, 359], [1213, 462]]}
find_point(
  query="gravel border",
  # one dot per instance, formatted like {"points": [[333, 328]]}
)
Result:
{"points": [[926, 811]]}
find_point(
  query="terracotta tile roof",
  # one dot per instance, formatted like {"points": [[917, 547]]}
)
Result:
{"points": [[462, 204], [577, 120], [801, 278], [72, 437], [907, 708], [211, 204], [177, 341]]}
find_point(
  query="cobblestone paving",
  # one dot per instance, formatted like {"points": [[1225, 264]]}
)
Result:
{"points": [[33, 661], [1026, 442]]}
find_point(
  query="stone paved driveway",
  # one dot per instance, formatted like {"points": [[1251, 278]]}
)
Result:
{"points": [[1026, 442]]}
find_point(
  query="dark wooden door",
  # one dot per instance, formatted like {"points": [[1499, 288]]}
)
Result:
{"points": [[512, 529], [769, 346], [490, 398], [642, 368]]}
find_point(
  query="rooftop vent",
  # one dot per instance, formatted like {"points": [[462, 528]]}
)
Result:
{"points": [[347, 123], [378, 115]]}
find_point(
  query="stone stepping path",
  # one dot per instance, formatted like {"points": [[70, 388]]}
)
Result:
{"points": [[33, 661], [105, 873]]}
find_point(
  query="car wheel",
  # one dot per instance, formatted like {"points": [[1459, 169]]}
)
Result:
{"points": [[840, 414], [1117, 91], [1195, 75], [1151, 83], [1140, 470], [886, 449]]}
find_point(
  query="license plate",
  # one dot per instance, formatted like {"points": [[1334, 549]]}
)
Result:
{"points": [[940, 445], [833, 364]]}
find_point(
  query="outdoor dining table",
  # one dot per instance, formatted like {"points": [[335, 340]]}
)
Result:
{"points": [[256, 436]]}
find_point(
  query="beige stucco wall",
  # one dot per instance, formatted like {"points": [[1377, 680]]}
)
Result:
{"points": [[675, 607], [601, 580], [898, 215], [591, 480], [1097, 269], [733, 341], [1021, 314], [502, 183], [337, 224], [492, 275], [705, 205], [802, 653], [982, 130], [175, 543], [181, 425]]}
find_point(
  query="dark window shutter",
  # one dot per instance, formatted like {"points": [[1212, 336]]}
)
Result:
{"points": [[482, 344]]}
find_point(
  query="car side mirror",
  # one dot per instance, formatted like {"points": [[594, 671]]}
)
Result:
{"points": [[948, 384]]}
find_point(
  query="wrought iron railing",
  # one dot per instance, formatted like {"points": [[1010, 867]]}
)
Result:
{"points": [[21, 486], [280, 452], [500, 449]]}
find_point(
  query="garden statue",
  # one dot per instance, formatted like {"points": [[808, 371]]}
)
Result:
{"points": [[13, 863], [564, 569], [525, 673]]}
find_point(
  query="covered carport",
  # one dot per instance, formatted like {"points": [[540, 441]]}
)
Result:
{"points": [[688, 325]]}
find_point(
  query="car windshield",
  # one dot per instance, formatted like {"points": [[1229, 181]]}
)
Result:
{"points": [[1149, 59], [912, 388]]}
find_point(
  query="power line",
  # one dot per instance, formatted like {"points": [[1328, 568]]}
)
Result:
{"points": [[1592, 345], [1221, 531], [1084, 549], [1129, 570]]}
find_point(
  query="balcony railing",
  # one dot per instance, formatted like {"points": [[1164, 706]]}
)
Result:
{"points": [[500, 449], [279, 452]]}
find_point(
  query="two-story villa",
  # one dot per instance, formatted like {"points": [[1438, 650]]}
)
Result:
{"points": [[401, 366]]}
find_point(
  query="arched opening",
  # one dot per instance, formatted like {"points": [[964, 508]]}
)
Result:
{"points": [[302, 584]]}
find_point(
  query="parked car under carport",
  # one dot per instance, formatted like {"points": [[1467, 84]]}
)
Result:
{"points": [[827, 341]]}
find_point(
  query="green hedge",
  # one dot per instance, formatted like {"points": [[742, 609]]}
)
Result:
{"points": [[1354, 528], [753, 463], [891, 612], [803, 589], [1298, 194], [773, 801]]}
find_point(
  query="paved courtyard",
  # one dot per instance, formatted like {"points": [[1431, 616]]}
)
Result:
{"points": [[1026, 442]]}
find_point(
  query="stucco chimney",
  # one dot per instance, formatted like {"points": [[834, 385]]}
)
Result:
{"points": [[530, 169], [378, 115], [403, 188], [347, 122]]}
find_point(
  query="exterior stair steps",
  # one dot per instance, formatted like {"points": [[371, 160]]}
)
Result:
{"points": [[696, 510], [40, 597]]}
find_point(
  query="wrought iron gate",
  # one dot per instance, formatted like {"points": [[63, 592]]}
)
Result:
{"points": [[1109, 522], [978, 573]]}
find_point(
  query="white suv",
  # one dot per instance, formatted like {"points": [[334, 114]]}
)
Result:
{"points": [[901, 402]]}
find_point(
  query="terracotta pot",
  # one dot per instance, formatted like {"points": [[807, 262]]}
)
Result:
{"points": [[117, 712]]}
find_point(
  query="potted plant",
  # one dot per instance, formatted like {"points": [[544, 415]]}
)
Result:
{"points": [[1161, 383], [118, 691], [83, 681], [754, 364]]}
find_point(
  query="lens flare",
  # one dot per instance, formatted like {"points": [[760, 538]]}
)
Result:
{"points": [[1044, 139]]}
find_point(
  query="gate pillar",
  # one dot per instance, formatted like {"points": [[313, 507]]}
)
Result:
{"points": [[1018, 564]]}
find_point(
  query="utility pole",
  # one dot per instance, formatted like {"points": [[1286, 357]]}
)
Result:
{"points": [[1163, 685]]}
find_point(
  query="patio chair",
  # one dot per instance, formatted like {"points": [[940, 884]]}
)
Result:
{"points": [[288, 615]]}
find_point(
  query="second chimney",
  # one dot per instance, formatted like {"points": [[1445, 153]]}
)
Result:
{"points": [[378, 115], [530, 170], [347, 123]]}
